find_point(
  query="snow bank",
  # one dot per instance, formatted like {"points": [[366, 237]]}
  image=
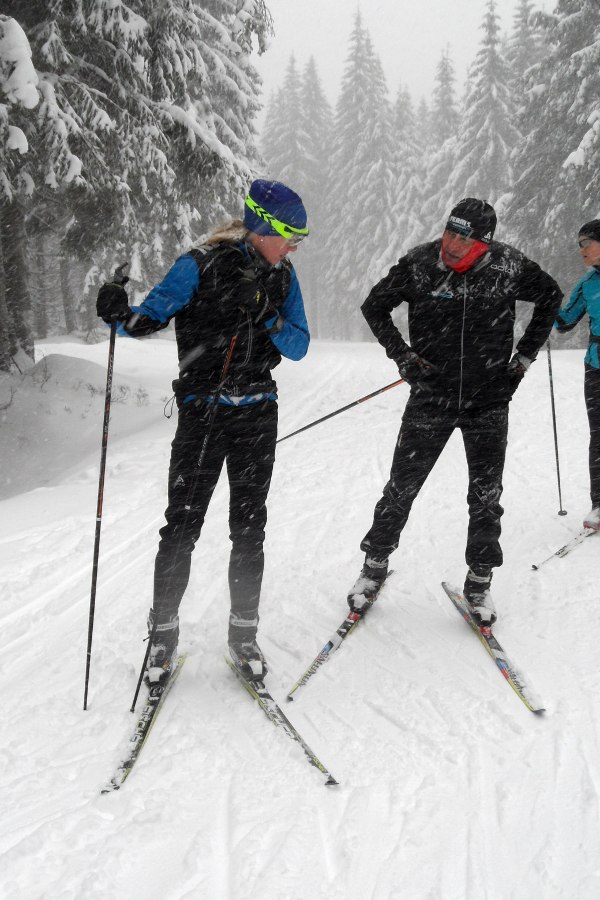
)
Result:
{"points": [[51, 418]]}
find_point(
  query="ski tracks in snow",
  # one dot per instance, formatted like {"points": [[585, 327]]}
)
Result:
{"points": [[450, 789]]}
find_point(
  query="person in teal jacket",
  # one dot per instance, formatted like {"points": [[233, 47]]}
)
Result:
{"points": [[585, 298]]}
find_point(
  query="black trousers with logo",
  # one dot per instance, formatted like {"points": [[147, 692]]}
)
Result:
{"points": [[592, 402], [244, 439], [423, 436]]}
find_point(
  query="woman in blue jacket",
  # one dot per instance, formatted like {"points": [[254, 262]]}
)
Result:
{"points": [[238, 309], [585, 298]]}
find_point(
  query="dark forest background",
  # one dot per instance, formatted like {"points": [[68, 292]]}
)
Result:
{"points": [[127, 131]]}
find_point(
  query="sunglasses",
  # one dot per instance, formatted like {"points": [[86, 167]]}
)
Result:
{"points": [[585, 242], [465, 233], [294, 239]]}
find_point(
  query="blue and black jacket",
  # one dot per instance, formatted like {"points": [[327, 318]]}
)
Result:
{"points": [[199, 293], [585, 298]]}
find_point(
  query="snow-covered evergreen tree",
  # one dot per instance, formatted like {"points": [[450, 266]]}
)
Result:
{"points": [[525, 47], [444, 114], [296, 144], [273, 134], [316, 126], [95, 136], [423, 124], [558, 182], [409, 152], [94, 123], [284, 141], [203, 94], [145, 134], [438, 129], [477, 162], [482, 166], [206, 91], [18, 91], [316, 120], [361, 187], [18, 97]]}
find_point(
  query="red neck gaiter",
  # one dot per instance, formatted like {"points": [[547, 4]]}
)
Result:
{"points": [[469, 259]]}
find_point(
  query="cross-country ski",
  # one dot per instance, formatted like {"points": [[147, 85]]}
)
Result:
{"points": [[275, 714], [334, 642], [492, 645], [156, 697], [567, 548]]}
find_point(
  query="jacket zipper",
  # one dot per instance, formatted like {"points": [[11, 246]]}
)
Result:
{"points": [[462, 340]]}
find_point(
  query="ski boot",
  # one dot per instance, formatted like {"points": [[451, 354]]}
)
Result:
{"points": [[592, 520], [477, 594], [366, 587], [248, 659], [163, 650]]}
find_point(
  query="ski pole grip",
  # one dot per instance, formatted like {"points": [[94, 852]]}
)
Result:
{"points": [[120, 275]]}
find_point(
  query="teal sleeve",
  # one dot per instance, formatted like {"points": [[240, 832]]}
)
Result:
{"points": [[573, 311]]}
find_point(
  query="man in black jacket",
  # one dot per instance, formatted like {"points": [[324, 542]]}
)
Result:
{"points": [[461, 293]]}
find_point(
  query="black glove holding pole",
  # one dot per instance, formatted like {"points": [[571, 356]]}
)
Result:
{"points": [[517, 367], [413, 368], [248, 292], [112, 303]]}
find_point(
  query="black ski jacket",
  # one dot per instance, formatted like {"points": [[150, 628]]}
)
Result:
{"points": [[463, 324], [199, 293]]}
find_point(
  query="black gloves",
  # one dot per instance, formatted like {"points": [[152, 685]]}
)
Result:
{"points": [[250, 293], [561, 326], [516, 369], [413, 368], [112, 304]]}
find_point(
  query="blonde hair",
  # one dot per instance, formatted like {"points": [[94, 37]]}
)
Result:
{"points": [[234, 230]]}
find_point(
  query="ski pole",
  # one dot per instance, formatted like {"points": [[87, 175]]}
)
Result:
{"points": [[119, 277], [192, 488], [561, 511], [343, 409]]}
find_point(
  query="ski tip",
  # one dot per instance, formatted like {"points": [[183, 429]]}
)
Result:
{"points": [[331, 782], [110, 788], [451, 590], [540, 711], [289, 698], [534, 567]]}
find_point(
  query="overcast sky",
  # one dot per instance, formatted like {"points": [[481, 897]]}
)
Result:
{"points": [[408, 35]]}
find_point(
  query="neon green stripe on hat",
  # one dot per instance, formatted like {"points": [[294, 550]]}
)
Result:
{"points": [[286, 231]]}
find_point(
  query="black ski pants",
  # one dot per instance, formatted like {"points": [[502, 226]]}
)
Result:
{"points": [[592, 402], [244, 439], [423, 436]]}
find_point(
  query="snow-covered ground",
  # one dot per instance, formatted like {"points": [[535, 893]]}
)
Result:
{"points": [[450, 789]]}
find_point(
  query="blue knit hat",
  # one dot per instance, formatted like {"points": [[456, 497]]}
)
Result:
{"points": [[271, 208]]}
